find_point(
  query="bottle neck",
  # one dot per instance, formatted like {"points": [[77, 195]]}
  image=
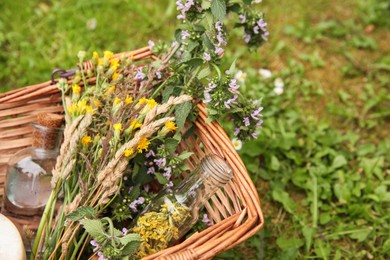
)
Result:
{"points": [[46, 138]]}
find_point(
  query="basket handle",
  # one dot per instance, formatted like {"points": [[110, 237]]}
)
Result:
{"points": [[62, 73]]}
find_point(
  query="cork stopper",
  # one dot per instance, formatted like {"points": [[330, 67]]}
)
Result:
{"points": [[47, 130], [217, 169]]}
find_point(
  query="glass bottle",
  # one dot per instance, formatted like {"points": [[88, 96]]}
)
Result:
{"points": [[172, 213], [27, 185]]}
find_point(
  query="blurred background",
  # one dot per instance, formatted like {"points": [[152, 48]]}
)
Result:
{"points": [[321, 163]]}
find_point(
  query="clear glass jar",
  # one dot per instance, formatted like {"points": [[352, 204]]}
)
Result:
{"points": [[172, 213], [28, 180]]}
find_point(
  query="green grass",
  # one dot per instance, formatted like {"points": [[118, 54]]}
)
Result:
{"points": [[321, 164]]}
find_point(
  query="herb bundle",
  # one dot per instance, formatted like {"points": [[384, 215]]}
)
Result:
{"points": [[124, 121]]}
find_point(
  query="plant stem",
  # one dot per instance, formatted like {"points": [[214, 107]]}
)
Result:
{"points": [[43, 222]]}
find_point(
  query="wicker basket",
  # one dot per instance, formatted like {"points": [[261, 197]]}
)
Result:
{"points": [[235, 210]]}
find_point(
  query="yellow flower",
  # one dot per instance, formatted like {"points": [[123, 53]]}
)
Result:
{"points": [[108, 122], [76, 88], [100, 62], [134, 124], [115, 76], [129, 152], [97, 103], [128, 100], [72, 108], [151, 103], [108, 54], [142, 101], [86, 140], [95, 55], [118, 127], [117, 101], [111, 89], [88, 109], [143, 144], [171, 126], [114, 62]]}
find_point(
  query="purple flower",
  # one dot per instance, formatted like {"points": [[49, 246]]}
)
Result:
{"points": [[220, 39], [133, 205], [167, 172], [242, 18], [183, 8], [169, 184], [206, 220], [206, 56], [218, 50], [210, 87], [255, 134], [95, 245], [150, 153], [101, 256], [151, 170], [160, 162], [265, 36], [124, 231], [262, 24], [247, 37], [256, 29], [140, 75], [231, 101], [246, 121], [158, 74], [207, 97], [218, 26], [259, 123], [185, 34], [233, 86], [236, 131], [151, 43], [255, 115], [174, 44]]}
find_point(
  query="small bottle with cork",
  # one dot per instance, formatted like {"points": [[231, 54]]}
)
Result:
{"points": [[28, 180]]}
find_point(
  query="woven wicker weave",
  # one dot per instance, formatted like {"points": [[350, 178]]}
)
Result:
{"points": [[235, 210]]}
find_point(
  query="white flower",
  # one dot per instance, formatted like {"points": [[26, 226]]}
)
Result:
{"points": [[237, 143], [240, 76], [91, 24], [278, 91], [256, 1], [265, 74], [279, 83]]}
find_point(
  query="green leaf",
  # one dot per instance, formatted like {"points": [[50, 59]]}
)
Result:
{"points": [[167, 93], [130, 247], [94, 227], [339, 161], [360, 235], [232, 67], [171, 144], [218, 9], [160, 178], [274, 164], [135, 192], [129, 238], [287, 243], [192, 45], [194, 62], [308, 233], [82, 212], [206, 4], [207, 42], [284, 198], [204, 73], [181, 113], [185, 155]]}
